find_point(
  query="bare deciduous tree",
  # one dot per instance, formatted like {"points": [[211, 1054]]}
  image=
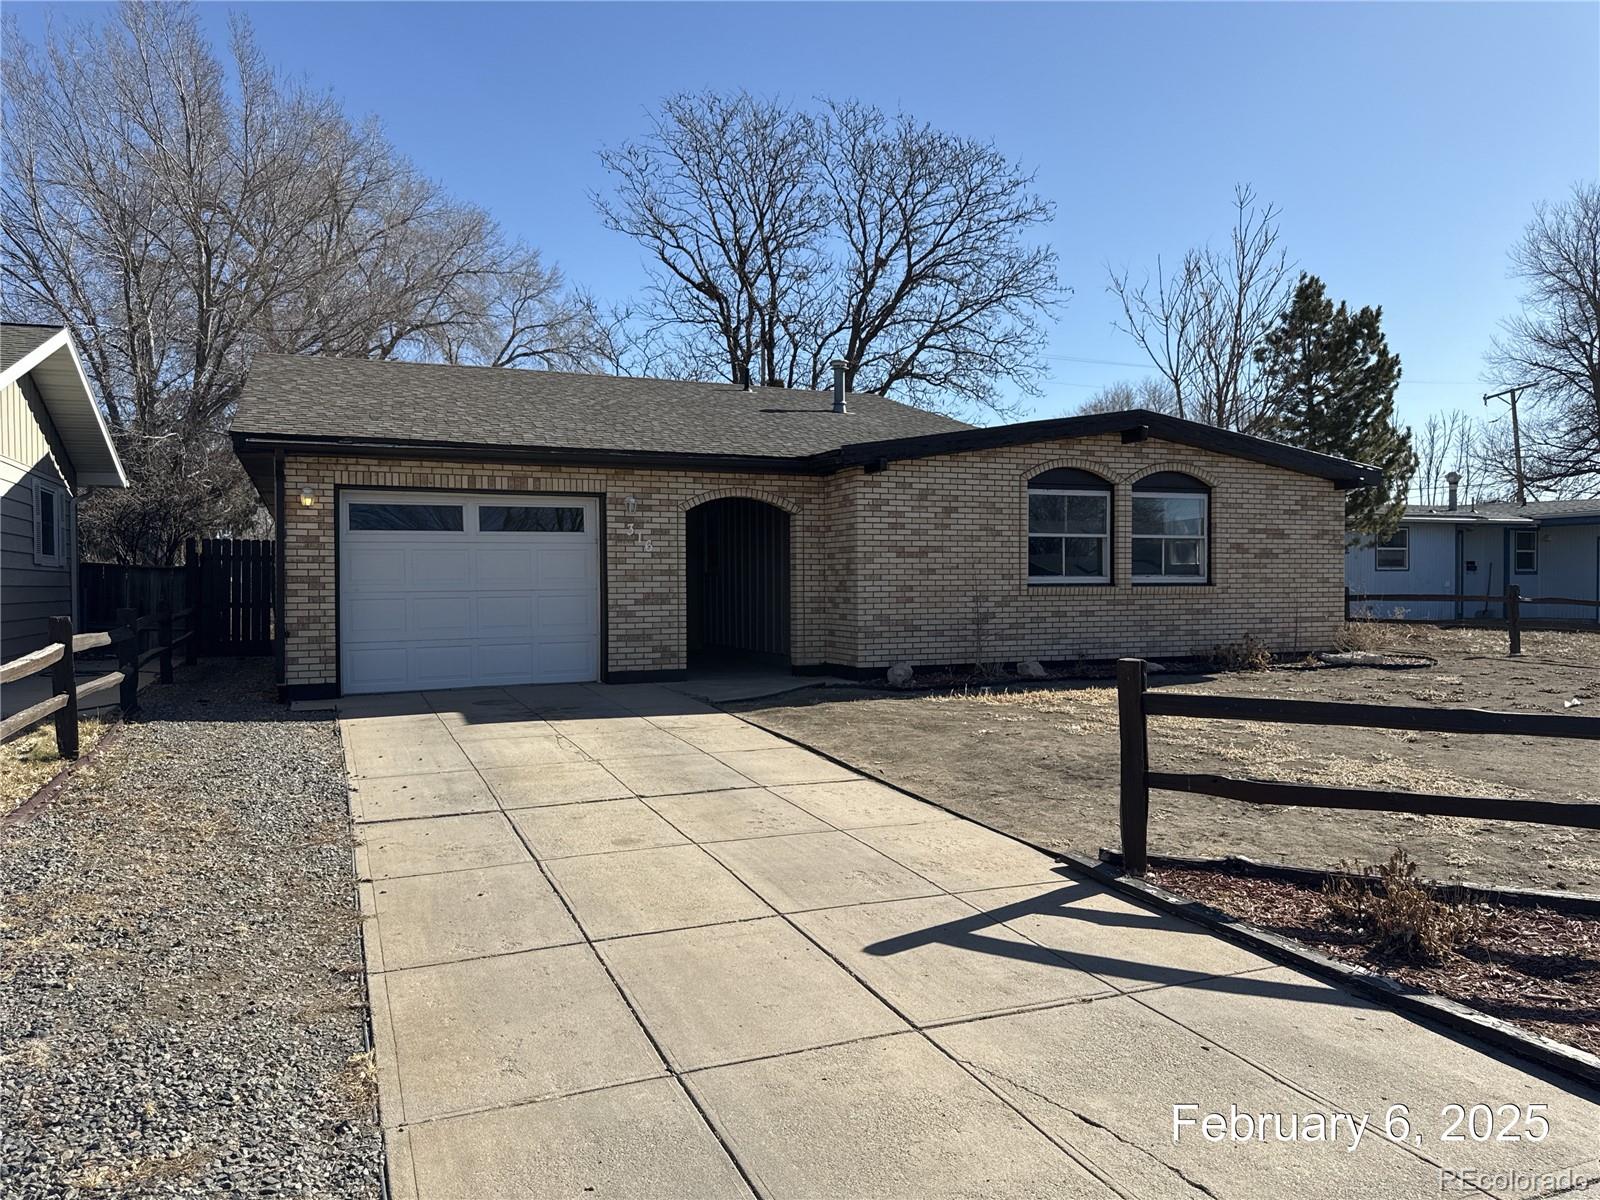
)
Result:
{"points": [[1201, 323], [181, 213], [785, 238], [1447, 441], [1553, 347], [1153, 394]]}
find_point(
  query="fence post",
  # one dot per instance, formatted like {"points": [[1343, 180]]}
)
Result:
{"points": [[128, 659], [191, 600], [164, 634], [1135, 805], [1514, 617], [64, 682]]}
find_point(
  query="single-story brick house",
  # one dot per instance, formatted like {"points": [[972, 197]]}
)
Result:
{"points": [[1545, 548], [444, 526]]}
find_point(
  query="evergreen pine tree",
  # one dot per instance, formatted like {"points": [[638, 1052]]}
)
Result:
{"points": [[1330, 386]]}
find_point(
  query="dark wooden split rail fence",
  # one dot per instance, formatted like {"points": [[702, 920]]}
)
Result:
{"points": [[1512, 603], [1136, 703], [128, 637]]}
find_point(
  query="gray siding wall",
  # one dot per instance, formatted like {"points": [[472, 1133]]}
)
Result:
{"points": [[1432, 569], [1569, 565], [29, 593]]}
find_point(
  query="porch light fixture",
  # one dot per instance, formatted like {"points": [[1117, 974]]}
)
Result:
{"points": [[308, 498]]}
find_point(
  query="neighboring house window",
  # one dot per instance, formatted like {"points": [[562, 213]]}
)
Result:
{"points": [[1525, 551], [1393, 553], [49, 525], [1069, 527], [1171, 529]]}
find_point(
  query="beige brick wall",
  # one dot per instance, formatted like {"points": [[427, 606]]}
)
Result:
{"points": [[644, 549], [941, 557], [924, 562]]}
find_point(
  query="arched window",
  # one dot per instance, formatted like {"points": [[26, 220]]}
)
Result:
{"points": [[1069, 527], [1171, 529]]}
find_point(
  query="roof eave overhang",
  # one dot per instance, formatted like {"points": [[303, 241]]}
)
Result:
{"points": [[93, 453], [1133, 424], [254, 443]]}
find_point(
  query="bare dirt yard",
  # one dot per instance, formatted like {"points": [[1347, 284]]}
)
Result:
{"points": [[1040, 761]]}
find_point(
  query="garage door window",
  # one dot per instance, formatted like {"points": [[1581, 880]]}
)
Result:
{"points": [[425, 518], [526, 518]]}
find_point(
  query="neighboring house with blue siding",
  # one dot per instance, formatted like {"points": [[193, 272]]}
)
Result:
{"points": [[53, 446], [1546, 548]]}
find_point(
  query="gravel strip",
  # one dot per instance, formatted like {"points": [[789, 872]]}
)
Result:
{"points": [[181, 1003]]}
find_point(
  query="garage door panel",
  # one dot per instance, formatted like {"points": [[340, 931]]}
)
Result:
{"points": [[442, 608], [573, 659], [505, 567], [504, 662], [565, 615], [375, 618], [374, 568], [500, 616], [564, 566], [378, 667], [435, 617], [438, 567]]}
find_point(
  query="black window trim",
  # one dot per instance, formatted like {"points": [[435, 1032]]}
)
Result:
{"points": [[1082, 483], [1177, 485]]}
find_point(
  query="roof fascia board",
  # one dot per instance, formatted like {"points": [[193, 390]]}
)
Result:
{"points": [[51, 346], [1159, 425], [1566, 519], [245, 442]]}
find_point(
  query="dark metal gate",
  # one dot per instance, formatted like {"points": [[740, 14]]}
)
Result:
{"points": [[738, 580]]}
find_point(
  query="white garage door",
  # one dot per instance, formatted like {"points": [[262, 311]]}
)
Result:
{"points": [[439, 590]]}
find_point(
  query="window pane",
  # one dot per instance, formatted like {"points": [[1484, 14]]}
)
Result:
{"points": [[1047, 514], [1147, 556], [431, 518], [47, 523], [1044, 556], [1399, 539], [1183, 556], [1180, 515], [1084, 557], [505, 518], [1390, 559], [1086, 514]]}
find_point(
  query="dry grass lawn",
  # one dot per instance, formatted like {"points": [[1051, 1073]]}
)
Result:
{"points": [[32, 760]]}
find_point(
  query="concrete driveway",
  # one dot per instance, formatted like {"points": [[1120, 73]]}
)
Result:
{"points": [[621, 944]]}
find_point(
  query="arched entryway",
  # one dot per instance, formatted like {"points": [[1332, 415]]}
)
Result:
{"points": [[737, 573]]}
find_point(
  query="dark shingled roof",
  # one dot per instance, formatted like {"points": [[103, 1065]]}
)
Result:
{"points": [[1540, 509], [338, 405], [334, 398], [17, 341]]}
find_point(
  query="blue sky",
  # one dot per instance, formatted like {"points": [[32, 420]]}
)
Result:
{"points": [[1406, 144]]}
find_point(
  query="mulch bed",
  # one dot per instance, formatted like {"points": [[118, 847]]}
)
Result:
{"points": [[1533, 966]]}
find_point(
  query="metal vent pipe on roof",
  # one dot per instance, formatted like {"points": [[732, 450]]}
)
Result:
{"points": [[840, 366], [1452, 478]]}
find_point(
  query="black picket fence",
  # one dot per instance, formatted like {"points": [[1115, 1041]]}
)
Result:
{"points": [[229, 582]]}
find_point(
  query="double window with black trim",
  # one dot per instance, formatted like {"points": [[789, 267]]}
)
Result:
{"points": [[1070, 528]]}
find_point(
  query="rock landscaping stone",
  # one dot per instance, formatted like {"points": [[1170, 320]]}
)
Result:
{"points": [[1031, 668], [901, 675], [182, 1012]]}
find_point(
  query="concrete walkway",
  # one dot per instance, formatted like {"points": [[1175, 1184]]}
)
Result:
{"points": [[621, 944]]}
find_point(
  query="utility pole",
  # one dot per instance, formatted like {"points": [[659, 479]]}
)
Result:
{"points": [[1510, 396]]}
